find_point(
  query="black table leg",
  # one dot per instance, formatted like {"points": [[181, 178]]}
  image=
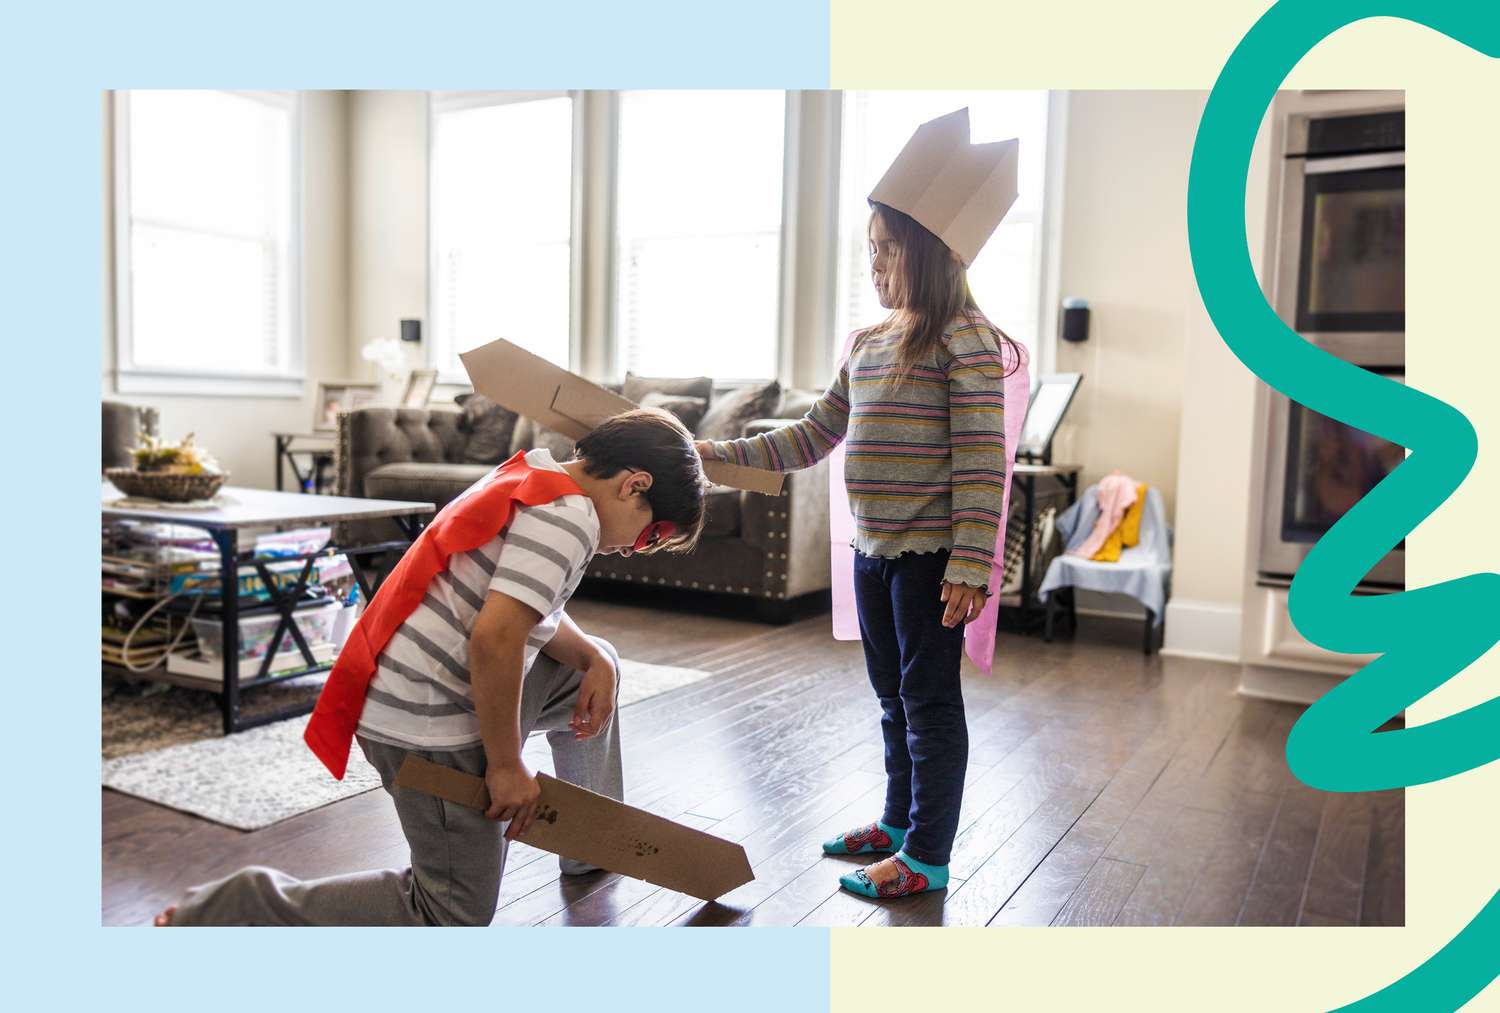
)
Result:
{"points": [[229, 615], [1027, 488]]}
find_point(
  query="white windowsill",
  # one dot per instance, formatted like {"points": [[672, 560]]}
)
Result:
{"points": [[145, 381]]}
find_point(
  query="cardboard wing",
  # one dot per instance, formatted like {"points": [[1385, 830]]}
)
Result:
{"points": [[578, 824], [526, 383], [958, 191]]}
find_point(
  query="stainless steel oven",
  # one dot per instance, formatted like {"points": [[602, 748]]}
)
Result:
{"points": [[1340, 282]]}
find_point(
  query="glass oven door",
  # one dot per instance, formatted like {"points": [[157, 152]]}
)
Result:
{"points": [[1325, 467], [1351, 256]]}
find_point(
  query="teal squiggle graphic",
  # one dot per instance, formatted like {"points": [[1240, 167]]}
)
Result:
{"points": [[1425, 636]]}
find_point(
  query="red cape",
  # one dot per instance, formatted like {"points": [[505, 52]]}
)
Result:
{"points": [[464, 524]]}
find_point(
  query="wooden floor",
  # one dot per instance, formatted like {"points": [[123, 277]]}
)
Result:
{"points": [[1104, 788]]}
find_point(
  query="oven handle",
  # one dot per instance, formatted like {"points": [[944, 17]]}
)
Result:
{"points": [[1354, 163]]}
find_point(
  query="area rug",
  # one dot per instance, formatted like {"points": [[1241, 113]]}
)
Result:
{"points": [[168, 747]]}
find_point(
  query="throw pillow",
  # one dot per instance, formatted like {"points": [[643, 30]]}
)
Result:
{"points": [[689, 410], [727, 418], [488, 426], [637, 387], [531, 435]]}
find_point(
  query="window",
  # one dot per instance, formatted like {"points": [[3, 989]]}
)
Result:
{"points": [[501, 191], [1006, 277], [698, 233], [207, 241]]}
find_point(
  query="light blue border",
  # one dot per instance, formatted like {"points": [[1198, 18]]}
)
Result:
{"points": [[59, 58]]}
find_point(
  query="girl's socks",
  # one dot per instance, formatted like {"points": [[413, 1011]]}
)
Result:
{"points": [[870, 838], [912, 877]]}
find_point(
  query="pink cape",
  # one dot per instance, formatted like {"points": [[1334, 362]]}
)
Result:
{"points": [[979, 636]]}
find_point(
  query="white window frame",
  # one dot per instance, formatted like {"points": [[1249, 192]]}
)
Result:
{"points": [[593, 332], [786, 275], [133, 379], [438, 355]]}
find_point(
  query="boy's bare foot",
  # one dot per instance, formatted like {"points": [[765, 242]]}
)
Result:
{"points": [[165, 918]]}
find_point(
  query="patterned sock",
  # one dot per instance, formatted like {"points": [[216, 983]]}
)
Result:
{"points": [[914, 877], [872, 837]]}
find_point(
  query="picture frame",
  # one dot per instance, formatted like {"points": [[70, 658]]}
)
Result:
{"points": [[419, 387], [336, 396], [1051, 395]]}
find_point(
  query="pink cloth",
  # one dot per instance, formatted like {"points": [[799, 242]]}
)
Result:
{"points": [[1116, 495], [979, 636]]}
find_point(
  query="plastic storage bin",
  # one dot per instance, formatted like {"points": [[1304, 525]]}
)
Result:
{"points": [[316, 624]]}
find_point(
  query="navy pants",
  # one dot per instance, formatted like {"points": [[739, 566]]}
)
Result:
{"points": [[913, 662]]}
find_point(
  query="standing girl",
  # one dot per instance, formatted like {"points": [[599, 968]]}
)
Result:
{"points": [[920, 406]]}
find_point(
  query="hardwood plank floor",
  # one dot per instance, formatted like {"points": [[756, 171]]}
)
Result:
{"points": [[1104, 787]]}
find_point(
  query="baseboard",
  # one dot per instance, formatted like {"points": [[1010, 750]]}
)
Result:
{"points": [[1202, 629], [1286, 685], [1107, 605]]}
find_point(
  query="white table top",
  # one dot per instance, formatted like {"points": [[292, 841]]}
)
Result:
{"points": [[246, 508], [1023, 468]]}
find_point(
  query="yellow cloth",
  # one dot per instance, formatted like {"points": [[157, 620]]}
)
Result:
{"points": [[1128, 533]]}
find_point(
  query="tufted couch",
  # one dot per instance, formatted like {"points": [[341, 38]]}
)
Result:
{"points": [[772, 550]]}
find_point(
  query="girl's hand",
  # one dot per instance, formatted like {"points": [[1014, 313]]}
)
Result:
{"points": [[705, 450], [964, 603]]}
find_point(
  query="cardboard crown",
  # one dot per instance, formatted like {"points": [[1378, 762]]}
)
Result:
{"points": [[956, 190]]}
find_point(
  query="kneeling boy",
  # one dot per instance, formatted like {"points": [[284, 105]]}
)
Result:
{"points": [[435, 667]]}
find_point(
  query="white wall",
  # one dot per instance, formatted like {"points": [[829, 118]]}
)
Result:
{"points": [[388, 221], [1216, 505], [1162, 399], [1124, 249], [237, 430]]}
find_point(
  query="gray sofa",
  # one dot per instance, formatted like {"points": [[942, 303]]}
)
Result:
{"points": [[772, 550]]}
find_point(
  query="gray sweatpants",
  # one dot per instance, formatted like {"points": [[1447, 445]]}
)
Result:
{"points": [[457, 853]]}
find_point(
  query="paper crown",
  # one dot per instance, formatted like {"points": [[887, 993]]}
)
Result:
{"points": [[958, 191]]}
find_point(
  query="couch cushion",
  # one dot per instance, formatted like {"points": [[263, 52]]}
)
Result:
{"points": [[721, 513], [729, 412], [422, 481], [488, 426], [689, 410], [637, 387]]}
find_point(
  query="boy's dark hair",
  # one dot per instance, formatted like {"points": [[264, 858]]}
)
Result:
{"points": [[654, 441]]}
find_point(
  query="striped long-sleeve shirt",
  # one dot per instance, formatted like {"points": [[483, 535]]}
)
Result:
{"points": [[925, 463]]}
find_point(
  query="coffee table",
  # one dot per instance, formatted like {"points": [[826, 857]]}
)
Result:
{"points": [[246, 509]]}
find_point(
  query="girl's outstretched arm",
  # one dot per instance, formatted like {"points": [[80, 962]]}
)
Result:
{"points": [[801, 444]]}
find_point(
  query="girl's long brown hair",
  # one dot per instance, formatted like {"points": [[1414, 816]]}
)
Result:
{"points": [[930, 287]]}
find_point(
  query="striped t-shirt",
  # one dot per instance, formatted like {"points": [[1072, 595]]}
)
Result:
{"points": [[925, 457], [420, 696]]}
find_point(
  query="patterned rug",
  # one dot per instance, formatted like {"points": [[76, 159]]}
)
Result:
{"points": [[166, 745]]}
